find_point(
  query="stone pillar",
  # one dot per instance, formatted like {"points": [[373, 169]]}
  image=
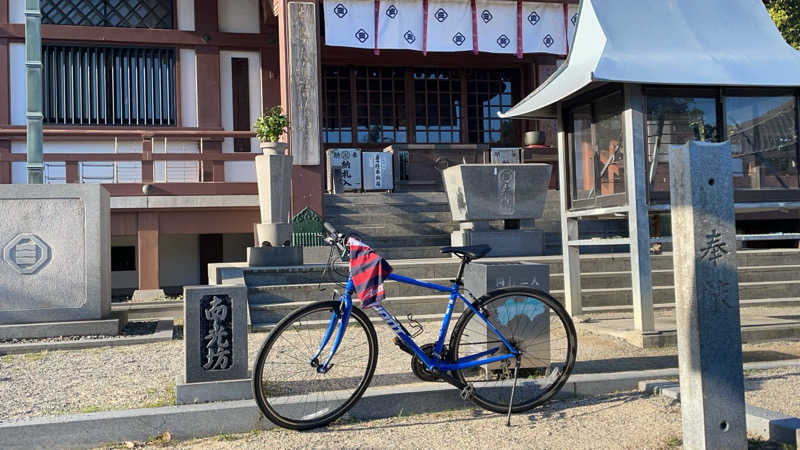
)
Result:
{"points": [[707, 296], [147, 257], [274, 173], [638, 224], [569, 228]]}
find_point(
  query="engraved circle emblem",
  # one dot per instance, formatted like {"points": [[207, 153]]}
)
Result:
{"points": [[534, 18], [459, 39], [340, 10], [503, 41], [26, 253], [486, 16], [440, 15], [409, 37], [548, 41], [362, 35], [574, 19], [391, 12]]}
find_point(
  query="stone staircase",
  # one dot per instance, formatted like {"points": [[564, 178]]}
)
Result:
{"points": [[400, 225], [767, 277], [411, 225]]}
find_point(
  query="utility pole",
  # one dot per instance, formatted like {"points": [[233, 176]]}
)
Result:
{"points": [[33, 72]]}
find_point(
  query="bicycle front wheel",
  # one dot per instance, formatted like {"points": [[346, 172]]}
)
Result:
{"points": [[534, 323], [287, 386]]}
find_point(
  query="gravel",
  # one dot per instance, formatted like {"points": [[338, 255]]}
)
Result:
{"points": [[107, 378], [775, 390], [627, 420]]}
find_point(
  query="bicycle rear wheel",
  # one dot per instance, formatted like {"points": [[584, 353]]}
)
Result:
{"points": [[533, 322], [289, 390]]}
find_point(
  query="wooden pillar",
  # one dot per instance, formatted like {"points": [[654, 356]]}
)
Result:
{"points": [[299, 50], [638, 222], [147, 159], [72, 172], [569, 228], [5, 166], [213, 171], [147, 250]]}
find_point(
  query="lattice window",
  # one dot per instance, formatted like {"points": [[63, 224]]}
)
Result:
{"points": [[337, 120], [109, 13], [489, 92], [380, 105], [438, 106], [108, 85], [365, 105]]}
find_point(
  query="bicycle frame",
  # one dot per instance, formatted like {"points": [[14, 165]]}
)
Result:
{"points": [[342, 317]]}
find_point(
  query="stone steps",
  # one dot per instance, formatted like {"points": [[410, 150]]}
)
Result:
{"points": [[765, 275], [766, 261]]}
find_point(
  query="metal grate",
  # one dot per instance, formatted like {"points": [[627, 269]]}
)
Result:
{"points": [[108, 85], [109, 13]]}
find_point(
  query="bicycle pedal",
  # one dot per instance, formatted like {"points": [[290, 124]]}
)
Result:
{"points": [[466, 392]]}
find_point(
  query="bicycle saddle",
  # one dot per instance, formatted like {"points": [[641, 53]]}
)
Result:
{"points": [[470, 252]]}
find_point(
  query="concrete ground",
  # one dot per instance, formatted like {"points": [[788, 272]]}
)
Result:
{"points": [[758, 323]]}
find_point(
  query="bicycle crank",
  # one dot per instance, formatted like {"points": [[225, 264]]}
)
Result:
{"points": [[420, 369]]}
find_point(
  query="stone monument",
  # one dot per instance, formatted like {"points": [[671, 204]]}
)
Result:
{"points": [[274, 233], [55, 265], [707, 296], [513, 193], [215, 345]]}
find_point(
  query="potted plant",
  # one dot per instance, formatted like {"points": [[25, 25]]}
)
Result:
{"points": [[269, 128]]}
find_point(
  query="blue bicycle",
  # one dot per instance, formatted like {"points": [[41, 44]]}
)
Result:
{"points": [[509, 351]]}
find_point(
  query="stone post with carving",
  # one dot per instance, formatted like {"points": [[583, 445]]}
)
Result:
{"points": [[707, 296]]}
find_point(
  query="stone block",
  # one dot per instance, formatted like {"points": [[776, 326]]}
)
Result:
{"points": [[103, 327], [148, 295], [215, 333], [212, 391], [274, 256], [481, 278], [503, 242], [496, 191], [55, 263]]}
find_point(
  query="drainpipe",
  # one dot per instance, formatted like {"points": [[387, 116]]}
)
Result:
{"points": [[33, 71]]}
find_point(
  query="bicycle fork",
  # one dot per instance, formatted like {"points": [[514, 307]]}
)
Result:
{"points": [[340, 318]]}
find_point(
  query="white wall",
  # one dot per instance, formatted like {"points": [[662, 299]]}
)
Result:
{"points": [[16, 63], [239, 16], [16, 11], [240, 171], [186, 15], [178, 259], [188, 61], [127, 171]]}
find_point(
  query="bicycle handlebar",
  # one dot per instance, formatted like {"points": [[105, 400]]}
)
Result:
{"points": [[329, 228], [334, 238]]}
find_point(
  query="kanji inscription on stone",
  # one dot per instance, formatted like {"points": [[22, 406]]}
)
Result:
{"points": [[707, 296], [217, 338]]}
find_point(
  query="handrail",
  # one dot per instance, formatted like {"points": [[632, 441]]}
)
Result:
{"points": [[117, 132]]}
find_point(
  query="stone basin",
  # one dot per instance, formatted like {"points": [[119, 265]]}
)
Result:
{"points": [[496, 191]]}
